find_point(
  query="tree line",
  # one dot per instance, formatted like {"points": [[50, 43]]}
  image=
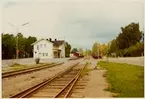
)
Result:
{"points": [[24, 46], [25, 49], [128, 43]]}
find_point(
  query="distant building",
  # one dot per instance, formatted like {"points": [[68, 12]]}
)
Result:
{"points": [[45, 48]]}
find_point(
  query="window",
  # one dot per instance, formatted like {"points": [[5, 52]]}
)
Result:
{"points": [[43, 54], [37, 47], [46, 54], [45, 45], [41, 45]]}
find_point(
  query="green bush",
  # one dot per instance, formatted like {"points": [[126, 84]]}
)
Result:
{"points": [[133, 51]]}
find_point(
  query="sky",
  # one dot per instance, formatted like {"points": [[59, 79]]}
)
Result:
{"points": [[79, 22]]}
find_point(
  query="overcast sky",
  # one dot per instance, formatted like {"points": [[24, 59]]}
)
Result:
{"points": [[80, 23]]}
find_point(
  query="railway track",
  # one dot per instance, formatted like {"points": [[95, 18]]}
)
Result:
{"points": [[28, 70], [61, 85]]}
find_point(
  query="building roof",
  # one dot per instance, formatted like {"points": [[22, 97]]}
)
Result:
{"points": [[39, 41], [55, 42], [58, 42]]}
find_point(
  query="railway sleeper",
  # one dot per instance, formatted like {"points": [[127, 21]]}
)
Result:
{"points": [[76, 95], [77, 90], [41, 97], [82, 81], [48, 91], [44, 95], [57, 84], [54, 87], [61, 81], [80, 87]]}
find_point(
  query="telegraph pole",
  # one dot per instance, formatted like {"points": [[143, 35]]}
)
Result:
{"points": [[98, 51], [17, 30]]}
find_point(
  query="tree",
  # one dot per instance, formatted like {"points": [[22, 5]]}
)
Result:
{"points": [[28, 46], [67, 49], [129, 42], [104, 49], [113, 47], [74, 50], [129, 36], [99, 49], [81, 51], [96, 49], [87, 52], [24, 46], [21, 45], [8, 46], [135, 50]]}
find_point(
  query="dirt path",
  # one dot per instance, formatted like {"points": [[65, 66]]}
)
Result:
{"points": [[97, 83]]}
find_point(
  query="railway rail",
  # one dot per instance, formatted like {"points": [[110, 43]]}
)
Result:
{"points": [[76, 58], [60, 85], [28, 70]]}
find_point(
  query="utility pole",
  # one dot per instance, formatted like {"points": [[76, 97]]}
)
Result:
{"points": [[17, 48], [108, 51], [98, 51], [17, 30]]}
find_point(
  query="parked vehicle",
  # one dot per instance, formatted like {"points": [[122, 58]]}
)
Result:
{"points": [[77, 54]]}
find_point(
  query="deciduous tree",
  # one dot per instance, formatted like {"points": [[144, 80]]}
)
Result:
{"points": [[129, 36], [74, 50], [67, 49]]}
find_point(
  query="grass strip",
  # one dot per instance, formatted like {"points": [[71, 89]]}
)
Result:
{"points": [[125, 80]]}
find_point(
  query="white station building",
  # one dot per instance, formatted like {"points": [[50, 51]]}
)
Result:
{"points": [[45, 48]]}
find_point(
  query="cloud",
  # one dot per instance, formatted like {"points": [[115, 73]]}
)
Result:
{"points": [[6, 5], [81, 23]]}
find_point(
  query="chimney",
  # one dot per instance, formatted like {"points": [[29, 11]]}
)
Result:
{"points": [[55, 39], [49, 39]]}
